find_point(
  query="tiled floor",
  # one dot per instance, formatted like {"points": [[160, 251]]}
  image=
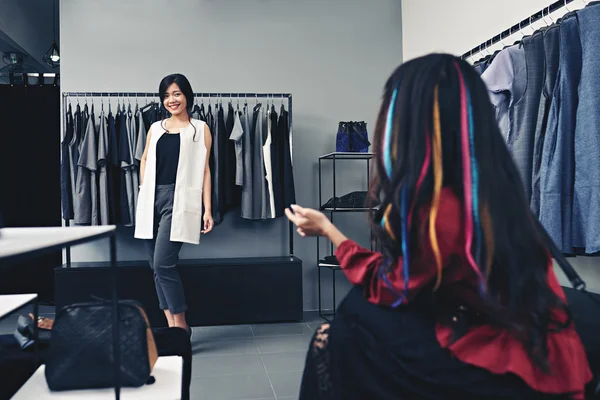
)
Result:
{"points": [[245, 362], [249, 361]]}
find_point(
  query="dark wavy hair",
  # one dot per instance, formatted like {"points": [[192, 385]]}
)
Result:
{"points": [[437, 129], [186, 89]]}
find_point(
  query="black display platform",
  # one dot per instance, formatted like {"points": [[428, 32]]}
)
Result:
{"points": [[218, 291]]}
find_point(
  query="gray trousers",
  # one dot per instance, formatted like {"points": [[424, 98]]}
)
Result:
{"points": [[163, 254]]}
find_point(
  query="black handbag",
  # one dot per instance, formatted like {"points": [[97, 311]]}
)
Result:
{"points": [[81, 348], [352, 137]]}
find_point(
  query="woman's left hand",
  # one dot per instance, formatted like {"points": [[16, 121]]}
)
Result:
{"points": [[208, 223]]}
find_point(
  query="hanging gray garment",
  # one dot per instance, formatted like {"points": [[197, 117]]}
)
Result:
{"points": [[524, 117], [127, 166], [141, 137], [102, 170], [551, 49], [247, 158], [259, 197], [557, 172], [237, 135], [87, 189], [586, 188], [506, 79]]}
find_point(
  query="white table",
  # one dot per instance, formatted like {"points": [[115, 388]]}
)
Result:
{"points": [[22, 243], [12, 302], [168, 372], [27, 242]]}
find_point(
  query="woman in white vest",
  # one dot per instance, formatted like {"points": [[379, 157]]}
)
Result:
{"points": [[174, 205]]}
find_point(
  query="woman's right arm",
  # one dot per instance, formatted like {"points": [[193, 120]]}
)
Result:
{"points": [[143, 160]]}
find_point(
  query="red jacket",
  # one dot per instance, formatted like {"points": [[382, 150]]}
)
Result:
{"points": [[485, 346]]}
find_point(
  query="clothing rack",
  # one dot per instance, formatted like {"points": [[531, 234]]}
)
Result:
{"points": [[528, 22], [154, 96]]}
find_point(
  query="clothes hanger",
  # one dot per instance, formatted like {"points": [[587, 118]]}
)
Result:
{"points": [[567, 8]]}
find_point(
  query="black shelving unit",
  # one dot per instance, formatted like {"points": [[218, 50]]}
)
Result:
{"points": [[321, 264]]}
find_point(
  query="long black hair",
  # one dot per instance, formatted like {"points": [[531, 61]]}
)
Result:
{"points": [[186, 89], [437, 128]]}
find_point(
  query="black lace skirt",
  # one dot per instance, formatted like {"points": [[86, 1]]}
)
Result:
{"points": [[372, 352]]}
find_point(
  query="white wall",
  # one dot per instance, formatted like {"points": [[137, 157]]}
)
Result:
{"points": [[456, 26], [332, 55]]}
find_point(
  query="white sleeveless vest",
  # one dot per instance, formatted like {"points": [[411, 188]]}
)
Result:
{"points": [[187, 203]]}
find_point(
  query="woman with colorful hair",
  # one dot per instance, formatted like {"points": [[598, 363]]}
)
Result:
{"points": [[463, 303]]}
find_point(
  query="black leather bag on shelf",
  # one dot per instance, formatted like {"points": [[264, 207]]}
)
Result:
{"points": [[81, 348]]}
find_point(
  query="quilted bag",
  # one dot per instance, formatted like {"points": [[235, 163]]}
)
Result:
{"points": [[81, 348]]}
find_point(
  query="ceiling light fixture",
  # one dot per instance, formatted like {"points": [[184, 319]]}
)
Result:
{"points": [[52, 56]]}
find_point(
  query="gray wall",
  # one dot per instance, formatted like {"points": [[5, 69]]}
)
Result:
{"points": [[332, 55]]}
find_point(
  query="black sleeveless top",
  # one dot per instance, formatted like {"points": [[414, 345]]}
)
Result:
{"points": [[167, 158]]}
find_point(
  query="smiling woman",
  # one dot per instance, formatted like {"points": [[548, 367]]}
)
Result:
{"points": [[176, 186]]}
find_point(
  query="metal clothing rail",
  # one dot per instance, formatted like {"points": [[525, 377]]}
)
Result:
{"points": [[542, 14], [148, 95]]}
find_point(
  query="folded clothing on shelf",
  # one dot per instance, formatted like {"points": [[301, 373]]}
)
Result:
{"points": [[332, 260], [350, 200]]}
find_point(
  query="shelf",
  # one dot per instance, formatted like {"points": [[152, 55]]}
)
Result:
{"points": [[12, 302], [18, 243], [347, 156], [168, 372], [335, 267], [339, 209]]}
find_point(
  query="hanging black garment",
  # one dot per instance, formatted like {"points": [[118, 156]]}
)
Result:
{"points": [[215, 171], [84, 120], [223, 140], [74, 155], [202, 113], [66, 184], [289, 191], [232, 191], [124, 159], [149, 115], [276, 163], [113, 172]]}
